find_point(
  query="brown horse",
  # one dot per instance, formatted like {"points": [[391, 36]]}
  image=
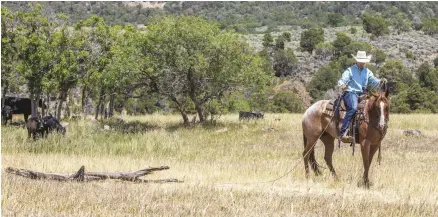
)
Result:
{"points": [[318, 125]]}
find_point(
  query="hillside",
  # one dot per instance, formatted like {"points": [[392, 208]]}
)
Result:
{"points": [[394, 45]]}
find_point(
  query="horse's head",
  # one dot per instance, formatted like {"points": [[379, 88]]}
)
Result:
{"points": [[379, 109]]}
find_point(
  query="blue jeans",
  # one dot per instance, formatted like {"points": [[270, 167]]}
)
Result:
{"points": [[350, 100]]}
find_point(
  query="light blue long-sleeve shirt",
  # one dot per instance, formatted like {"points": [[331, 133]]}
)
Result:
{"points": [[355, 78]]}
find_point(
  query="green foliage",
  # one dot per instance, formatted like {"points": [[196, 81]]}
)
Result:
{"points": [[284, 63], [427, 76], [401, 23], [340, 43], [194, 59], [287, 36], [410, 55], [286, 101], [279, 43], [430, 27], [353, 30], [324, 79], [236, 102], [324, 50], [35, 54], [397, 74], [375, 25], [379, 56], [310, 38], [435, 62], [10, 49], [355, 46], [335, 19], [267, 40]]}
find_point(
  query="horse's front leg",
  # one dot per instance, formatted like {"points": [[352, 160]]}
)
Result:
{"points": [[365, 149], [373, 150]]}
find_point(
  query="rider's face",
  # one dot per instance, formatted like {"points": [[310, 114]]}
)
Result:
{"points": [[360, 65]]}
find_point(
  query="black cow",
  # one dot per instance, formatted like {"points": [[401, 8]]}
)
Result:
{"points": [[6, 114], [34, 128], [250, 115], [50, 123], [21, 106]]}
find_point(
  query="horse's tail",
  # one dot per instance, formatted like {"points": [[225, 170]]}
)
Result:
{"points": [[312, 160], [304, 140]]}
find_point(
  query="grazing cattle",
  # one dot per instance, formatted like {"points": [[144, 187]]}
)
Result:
{"points": [[6, 114], [50, 123], [250, 115], [21, 106], [34, 128]]}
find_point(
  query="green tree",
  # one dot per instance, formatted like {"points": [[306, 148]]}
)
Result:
{"points": [[99, 41], [64, 75], [401, 23], [286, 101], [430, 26], [9, 51], [375, 25], [310, 38], [285, 62], [379, 56], [427, 76], [340, 43], [324, 50], [335, 19], [435, 62], [35, 54], [324, 79], [195, 61], [397, 74], [267, 40]]}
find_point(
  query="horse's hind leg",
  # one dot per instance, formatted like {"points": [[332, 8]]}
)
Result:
{"points": [[308, 150], [329, 146]]}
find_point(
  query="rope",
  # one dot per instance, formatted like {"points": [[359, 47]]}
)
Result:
{"points": [[296, 164]]}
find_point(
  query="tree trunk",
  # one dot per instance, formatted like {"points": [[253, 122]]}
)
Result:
{"points": [[198, 105], [61, 99], [98, 104], [84, 100], [48, 103], [198, 108], [182, 110], [103, 108], [111, 104], [5, 90]]}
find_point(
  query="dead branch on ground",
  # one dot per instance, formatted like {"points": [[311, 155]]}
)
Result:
{"points": [[82, 176]]}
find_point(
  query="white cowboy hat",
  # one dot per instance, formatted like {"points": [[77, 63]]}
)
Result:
{"points": [[362, 57]]}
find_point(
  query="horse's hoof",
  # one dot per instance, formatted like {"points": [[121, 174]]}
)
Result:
{"points": [[365, 184]]}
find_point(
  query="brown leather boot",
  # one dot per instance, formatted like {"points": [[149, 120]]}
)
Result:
{"points": [[347, 139]]}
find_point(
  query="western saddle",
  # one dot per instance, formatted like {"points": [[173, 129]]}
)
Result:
{"points": [[336, 109]]}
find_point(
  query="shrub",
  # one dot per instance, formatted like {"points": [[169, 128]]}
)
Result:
{"points": [[286, 101], [310, 38]]}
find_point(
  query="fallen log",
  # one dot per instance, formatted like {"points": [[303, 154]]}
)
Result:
{"points": [[82, 176]]}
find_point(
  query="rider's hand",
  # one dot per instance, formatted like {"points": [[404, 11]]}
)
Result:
{"points": [[383, 81], [343, 86]]}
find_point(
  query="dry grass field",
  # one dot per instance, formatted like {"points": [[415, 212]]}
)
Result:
{"points": [[223, 174]]}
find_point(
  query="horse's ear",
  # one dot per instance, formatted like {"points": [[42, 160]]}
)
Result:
{"points": [[386, 89]]}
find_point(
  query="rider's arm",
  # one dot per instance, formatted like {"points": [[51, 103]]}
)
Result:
{"points": [[345, 78], [372, 80]]}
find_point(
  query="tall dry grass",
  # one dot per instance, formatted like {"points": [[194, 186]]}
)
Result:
{"points": [[224, 174]]}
